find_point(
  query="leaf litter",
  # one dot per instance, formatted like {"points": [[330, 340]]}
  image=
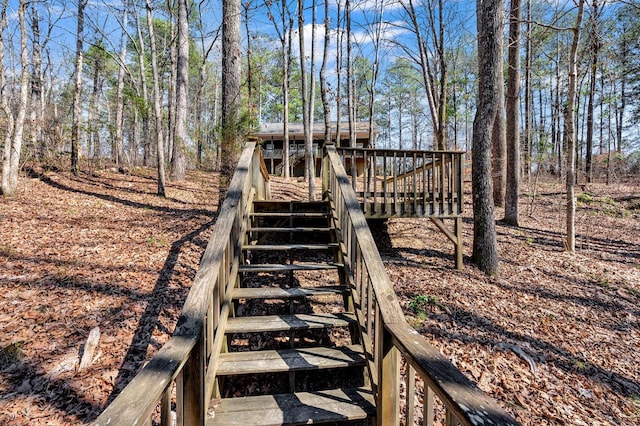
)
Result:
{"points": [[554, 338]]}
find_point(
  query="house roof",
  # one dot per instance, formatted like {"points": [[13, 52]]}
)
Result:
{"points": [[275, 130]]}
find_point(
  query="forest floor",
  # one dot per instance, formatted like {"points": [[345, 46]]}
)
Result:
{"points": [[554, 338]]}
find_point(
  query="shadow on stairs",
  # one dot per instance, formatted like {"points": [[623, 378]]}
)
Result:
{"points": [[293, 353]]}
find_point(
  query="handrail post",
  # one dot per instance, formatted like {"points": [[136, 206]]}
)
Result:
{"points": [[389, 382], [193, 376], [325, 168]]}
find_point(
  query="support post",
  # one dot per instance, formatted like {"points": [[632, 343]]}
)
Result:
{"points": [[459, 245], [192, 385], [325, 169], [388, 404]]}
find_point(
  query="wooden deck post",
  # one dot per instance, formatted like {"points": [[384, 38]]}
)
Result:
{"points": [[388, 404], [192, 387], [459, 245], [325, 169]]}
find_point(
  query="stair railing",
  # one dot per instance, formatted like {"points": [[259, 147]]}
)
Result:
{"points": [[387, 337], [392, 182], [184, 368]]}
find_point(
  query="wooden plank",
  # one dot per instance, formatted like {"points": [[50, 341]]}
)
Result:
{"points": [[299, 408], [286, 293], [287, 247], [137, 401], [274, 361], [290, 214], [272, 267], [271, 323], [290, 229], [459, 394]]}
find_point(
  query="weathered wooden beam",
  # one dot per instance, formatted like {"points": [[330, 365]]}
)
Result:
{"points": [[461, 396]]}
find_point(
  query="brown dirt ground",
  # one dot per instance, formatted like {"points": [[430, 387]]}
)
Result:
{"points": [[554, 339]]}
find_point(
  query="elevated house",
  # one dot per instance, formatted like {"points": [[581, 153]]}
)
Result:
{"points": [[272, 137]]}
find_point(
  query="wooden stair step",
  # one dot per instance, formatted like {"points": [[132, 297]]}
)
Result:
{"points": [[290, 214], [276, 267], [286, 293], [286, 247], [290, 204], [290, 229], [272, 323], [273, 361], [298, 408]]}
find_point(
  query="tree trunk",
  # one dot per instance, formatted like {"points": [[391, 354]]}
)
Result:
{"points": [[145, 95], [11, 157], [499, 140], [594, 47], [570, 131], [513, 117], [485, 247], [37, 98], [309, 154], [179, 166], [286, 67], [231, 57], [118, 150], [323, 76], [339, 38], [171, 98], [528, 101], [77, 91], [157, 103]]}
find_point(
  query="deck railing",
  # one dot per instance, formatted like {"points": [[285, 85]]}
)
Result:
{"points": [[184, 368], [389, 341], [406, 183]]}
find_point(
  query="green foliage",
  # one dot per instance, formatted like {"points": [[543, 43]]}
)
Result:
{"points": [[602, 204], [422, 304]]}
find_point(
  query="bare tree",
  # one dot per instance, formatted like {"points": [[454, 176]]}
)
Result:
{"points": [[284, 35], [9, 176], [499, 137], [485, 246], [37, 98], [308, 134], [513, 116], [528, 101], [117, 149], [570, 130], [157, 102], [142, 71], [207, 43], [178, 169], [432, 62], [77, 91], [351, 108], [324, 91], [594, 48], [231, 57]]}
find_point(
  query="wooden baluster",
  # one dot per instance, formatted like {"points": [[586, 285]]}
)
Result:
{"points": [[427, 406], [410, 388], [165, 407], [442, 184], [395, 166], [415, 183]]}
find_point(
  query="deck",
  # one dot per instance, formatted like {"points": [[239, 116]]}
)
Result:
{"points": [[340, 342]]}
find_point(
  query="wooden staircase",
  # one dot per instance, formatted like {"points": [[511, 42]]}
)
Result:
{"points": [[292, 319], [293, 345]]}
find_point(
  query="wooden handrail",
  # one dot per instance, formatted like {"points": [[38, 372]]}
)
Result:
{"points": [[406, 183], [191, 353], [386, 335]]}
